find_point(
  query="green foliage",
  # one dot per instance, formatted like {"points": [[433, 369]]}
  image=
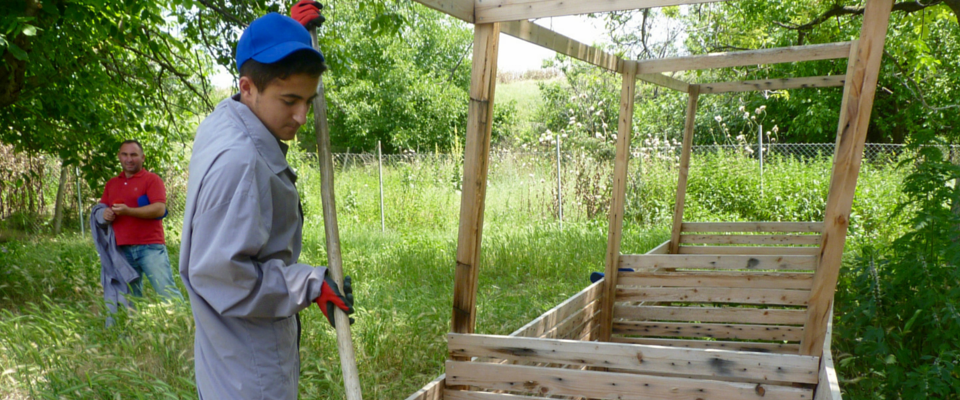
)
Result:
{"points": [[898, 305]]}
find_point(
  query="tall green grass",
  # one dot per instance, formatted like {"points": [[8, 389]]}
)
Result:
{"points": [[53, 343]]}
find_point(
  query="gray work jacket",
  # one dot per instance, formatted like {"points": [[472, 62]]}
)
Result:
{"points": [[115, 272], [238, 259]]}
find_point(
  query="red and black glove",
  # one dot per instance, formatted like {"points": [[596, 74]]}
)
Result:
{"points": [[307, 13], [330, 296]]}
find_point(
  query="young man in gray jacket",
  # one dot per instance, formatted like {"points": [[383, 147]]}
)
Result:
{"points": [[243, 224]]}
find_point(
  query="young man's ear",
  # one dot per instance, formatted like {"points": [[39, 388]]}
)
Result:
{"points": [[247, 88]]}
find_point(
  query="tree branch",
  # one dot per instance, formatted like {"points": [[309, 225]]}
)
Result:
{"points": [[838, 10], [224, 13], [907, 81]]}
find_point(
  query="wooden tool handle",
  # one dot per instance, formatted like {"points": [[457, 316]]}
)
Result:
{"points": [[348, 360]]}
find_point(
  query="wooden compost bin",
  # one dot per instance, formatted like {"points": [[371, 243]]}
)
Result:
{"points": [[723, 310]]}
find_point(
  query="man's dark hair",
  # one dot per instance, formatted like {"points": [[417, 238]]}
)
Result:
{"points": [[299, 62], [128, 141]]}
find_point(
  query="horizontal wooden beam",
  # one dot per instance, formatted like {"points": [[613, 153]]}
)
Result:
{"points": [[512, 10], [701, 330], [696, 363], [751, 57], [608, 385], [754, 280], [751, 226], [780, 297], [462, 9], [737, 250], [543, 37], [780, 348], [751, 239], [732, 261], [546, 38], [740, 315], [774, 84]]}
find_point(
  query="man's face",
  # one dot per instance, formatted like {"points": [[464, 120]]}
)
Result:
{"points": [[131, 158], [283, 104]]}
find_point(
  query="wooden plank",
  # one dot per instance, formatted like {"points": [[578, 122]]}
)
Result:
{"points": [[754, 280], [780, 297], [758, 347], [698, 363], [732, 261], [751, 239], [750, 57], [573, 327], [562, 311], [665, 81], [465, 395], [431, 391], [662, 248], [618, 198], [793, 251], [828, 386], [716, 331], [462, 9], [475, 162], [684, 168], [609, 385], [740, 315], [752, 227], [512, 10], [774, 84], [855, 119], [543, 37]]}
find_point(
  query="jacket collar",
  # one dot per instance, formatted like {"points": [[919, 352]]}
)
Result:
{"points": [[270, 148]]}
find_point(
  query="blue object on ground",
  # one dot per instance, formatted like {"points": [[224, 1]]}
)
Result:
{"points": [[596, 276]]}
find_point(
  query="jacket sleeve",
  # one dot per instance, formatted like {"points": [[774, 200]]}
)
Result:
{"points": [[230, 226]]}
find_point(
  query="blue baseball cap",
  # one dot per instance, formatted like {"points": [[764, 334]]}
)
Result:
{"points": [[272, 37]]}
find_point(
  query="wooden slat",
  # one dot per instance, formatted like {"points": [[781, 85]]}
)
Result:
{"points": [[750, 57], [828, 386], [699, 363], [852, 132], [609, 385], [476, 159], [773, 84], [573, 327], [684, 168], [740, 315], [561, 312], [735, 250], [716, 331], [662, 248], [751, 239], [706, 261], [512, 10], [462, 9], [752, 227], [465, 395], [538, 35], [780, 297], [754, 280], [431, 391], [780, 348], [665, 81], [618, 197]]}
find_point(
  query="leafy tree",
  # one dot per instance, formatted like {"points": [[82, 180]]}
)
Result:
{"points": [[80, 76]]}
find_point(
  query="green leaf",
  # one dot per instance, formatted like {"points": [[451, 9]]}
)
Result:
{"points": [[17, 52], [29, 30]]}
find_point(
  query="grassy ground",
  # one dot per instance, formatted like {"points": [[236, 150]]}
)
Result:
{"points": [[53, 343]]}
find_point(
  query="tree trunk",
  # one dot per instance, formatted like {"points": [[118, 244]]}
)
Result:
{"points": [[58, 208]]}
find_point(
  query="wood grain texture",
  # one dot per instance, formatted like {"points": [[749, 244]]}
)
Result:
{"points": [[852, 132], [708, 330], [751, 280], [475, 162], [609, 385], [618, 198], [461, 9], [684, 169], [751, 239], [512, 10], [741, 315], [742, 250], [750, 57], [774, 84], [719, 261], [697, 363], [757, 347], [774, 227], [777, 297]]}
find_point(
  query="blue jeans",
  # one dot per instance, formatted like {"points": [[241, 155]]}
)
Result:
{"points": [[151, 260]]}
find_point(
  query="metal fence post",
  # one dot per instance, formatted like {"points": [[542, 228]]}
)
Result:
{"points": [[559, 186], [760, 149], [80, 204], [383, 224]]}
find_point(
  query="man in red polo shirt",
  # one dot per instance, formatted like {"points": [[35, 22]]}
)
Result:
{"points": [[137, 202]]}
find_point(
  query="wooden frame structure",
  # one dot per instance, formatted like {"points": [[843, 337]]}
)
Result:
{"points": [[722, 310]]}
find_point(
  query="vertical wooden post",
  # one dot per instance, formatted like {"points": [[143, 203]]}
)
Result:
{"points": [[859, 90], [615, 229], [476, 156], [688, 126]]}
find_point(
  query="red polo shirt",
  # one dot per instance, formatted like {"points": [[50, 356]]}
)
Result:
{"points": [[131, 230]]}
